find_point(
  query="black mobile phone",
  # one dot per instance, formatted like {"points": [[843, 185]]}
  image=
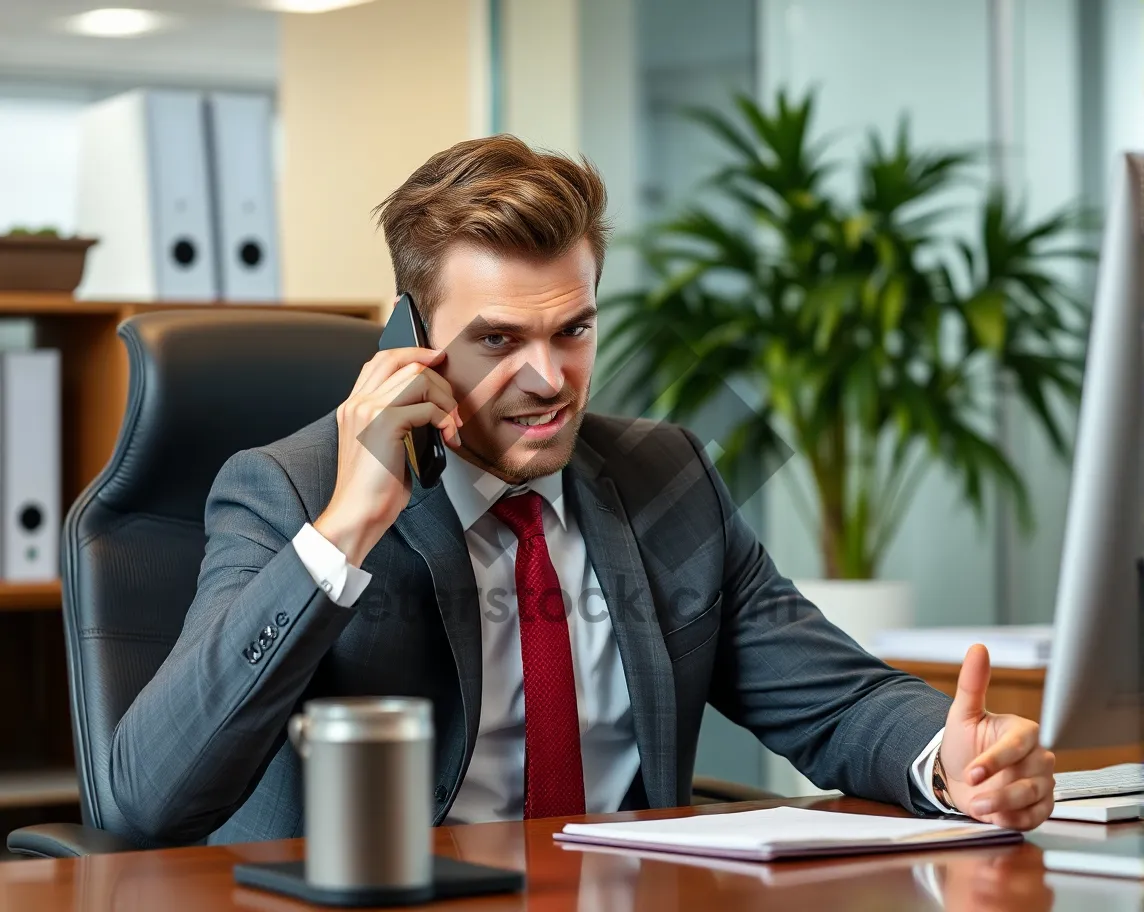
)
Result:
{"points": [[424, 448]]}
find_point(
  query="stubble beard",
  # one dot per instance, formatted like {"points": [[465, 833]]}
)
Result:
{"points": [[541, 458]]}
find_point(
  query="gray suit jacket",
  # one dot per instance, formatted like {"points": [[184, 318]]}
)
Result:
{"points": [[699, 611]]}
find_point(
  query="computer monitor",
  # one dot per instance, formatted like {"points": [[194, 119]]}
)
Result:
{"points": [[1093, 688]]}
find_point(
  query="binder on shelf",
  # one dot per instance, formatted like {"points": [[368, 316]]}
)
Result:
{"points": [[239, 137], [144, 193], [30, 469]]}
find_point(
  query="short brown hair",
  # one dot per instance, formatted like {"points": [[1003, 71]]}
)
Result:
{"points": [[496, 193]]}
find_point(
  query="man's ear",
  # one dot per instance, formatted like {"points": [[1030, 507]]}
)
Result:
{"points": [[387, 310]]}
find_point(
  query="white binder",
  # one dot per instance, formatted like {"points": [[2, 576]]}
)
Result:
{"points": [[144, 192], [240, 138], [30, 470]]}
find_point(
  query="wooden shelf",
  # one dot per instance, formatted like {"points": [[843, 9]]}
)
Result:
{"points": [[28, 303], [30, 596], [38, 788]]}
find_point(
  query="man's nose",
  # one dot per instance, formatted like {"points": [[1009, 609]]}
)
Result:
{"points": [[541, 374]]}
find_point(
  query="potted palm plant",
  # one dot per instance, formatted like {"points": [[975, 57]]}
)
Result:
{"points": [[877, 338]]}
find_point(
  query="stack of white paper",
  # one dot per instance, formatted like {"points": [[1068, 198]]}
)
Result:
{"points": [[1028, 646], [1106, 809], [785, 832]]}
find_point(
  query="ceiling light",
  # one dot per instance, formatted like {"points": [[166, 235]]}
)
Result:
{"points": [[309, 6], [114, 23]]}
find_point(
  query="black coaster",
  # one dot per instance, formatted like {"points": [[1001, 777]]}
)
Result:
{"points": [[451, 879]]}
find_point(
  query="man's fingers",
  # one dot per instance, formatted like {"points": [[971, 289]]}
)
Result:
{"points": [[1015, 796], [1027, 818], [445, 388], [1010, 750], [1015, 790], [422, 413], [419, 381], [409, 385], [972, 683], [384, 364]]}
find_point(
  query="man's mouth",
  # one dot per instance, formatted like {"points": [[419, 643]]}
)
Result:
{"points": [[534, 420], [541, 425]]}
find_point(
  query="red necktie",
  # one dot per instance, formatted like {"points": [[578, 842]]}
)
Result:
{"points": [[553, 770]]}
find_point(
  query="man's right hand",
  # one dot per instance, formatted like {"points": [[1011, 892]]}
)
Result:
{"points": [[397, 390]]}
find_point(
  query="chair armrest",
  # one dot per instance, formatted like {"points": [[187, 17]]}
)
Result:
{"points": [[65, 840], [709, 790]]}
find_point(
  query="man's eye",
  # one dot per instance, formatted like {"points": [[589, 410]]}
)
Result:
{"points": [[578, 330], [490, 340]]}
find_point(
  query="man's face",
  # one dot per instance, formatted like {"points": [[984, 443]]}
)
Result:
{"points": [[521, 341]]}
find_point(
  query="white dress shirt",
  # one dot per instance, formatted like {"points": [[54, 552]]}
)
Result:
{"points": [[494, 784]]}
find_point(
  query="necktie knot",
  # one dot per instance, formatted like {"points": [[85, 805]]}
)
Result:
{"points": [[522, 513]]}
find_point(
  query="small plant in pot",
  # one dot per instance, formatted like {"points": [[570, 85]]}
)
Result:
{"points": [[877, 338], [41, 260]]}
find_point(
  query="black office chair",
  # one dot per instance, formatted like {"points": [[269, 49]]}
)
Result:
{"points": [[203, 385]]}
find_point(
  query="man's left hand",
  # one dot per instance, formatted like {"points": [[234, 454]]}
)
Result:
{"points": [[997, 770]]}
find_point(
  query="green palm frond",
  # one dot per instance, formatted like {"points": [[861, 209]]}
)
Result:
{"points": [[875, 331]]}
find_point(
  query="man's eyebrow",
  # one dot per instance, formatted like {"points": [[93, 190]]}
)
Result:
{"points": [[483, 326]]}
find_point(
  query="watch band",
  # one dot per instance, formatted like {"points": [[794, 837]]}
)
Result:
{"points": [[940, 789]]}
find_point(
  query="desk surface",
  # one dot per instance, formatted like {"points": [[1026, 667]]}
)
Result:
{"points": [[1003, 878]]}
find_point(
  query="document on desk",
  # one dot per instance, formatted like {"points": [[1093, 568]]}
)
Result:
{"points": [[786, 832]]}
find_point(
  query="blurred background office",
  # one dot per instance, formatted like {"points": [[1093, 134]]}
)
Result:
{"points": [[356, 94]]}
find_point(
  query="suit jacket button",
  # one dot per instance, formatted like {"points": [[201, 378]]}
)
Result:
{"points": [[267, 637], [281, 619], [440, 793], [252, 653]]}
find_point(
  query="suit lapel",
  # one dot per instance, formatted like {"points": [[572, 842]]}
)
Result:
{"points": [[612, 549], [430, 526]]}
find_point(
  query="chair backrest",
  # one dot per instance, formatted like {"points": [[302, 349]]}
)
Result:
{"points": [[204, 384]]}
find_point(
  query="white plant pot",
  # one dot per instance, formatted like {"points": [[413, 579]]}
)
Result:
{"points": [[862, 608]]}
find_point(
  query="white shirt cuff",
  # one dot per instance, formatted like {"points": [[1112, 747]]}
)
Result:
{"points": [[922, 773], [339, 579]]}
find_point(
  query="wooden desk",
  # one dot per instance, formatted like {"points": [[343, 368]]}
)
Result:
{"points": [[1019, 691], [998, 879]]}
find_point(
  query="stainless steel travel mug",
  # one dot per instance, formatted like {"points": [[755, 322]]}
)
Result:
{"points": [[368, 790]]}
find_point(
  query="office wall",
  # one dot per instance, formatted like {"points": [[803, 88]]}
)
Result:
{"points": [[366, 94], [39, 154], [340, 103], [1047, 170], [609, 127], [540, 57], [1123, 45]]}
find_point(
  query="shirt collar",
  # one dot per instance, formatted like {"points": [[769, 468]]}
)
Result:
{"points": [[472, 490]]}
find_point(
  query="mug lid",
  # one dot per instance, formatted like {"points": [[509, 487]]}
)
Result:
{"points": [[368, 719]]}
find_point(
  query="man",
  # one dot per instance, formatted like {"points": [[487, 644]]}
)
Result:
{"points": [[570, 596]]}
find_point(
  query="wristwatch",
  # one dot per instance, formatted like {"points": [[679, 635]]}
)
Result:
{"points": [[940, 789]]}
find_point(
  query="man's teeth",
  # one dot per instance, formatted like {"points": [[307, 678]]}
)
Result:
{"points": [[533, 420]]}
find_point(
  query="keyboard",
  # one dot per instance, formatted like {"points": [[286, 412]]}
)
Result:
{"points": [[1122, 779]]}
